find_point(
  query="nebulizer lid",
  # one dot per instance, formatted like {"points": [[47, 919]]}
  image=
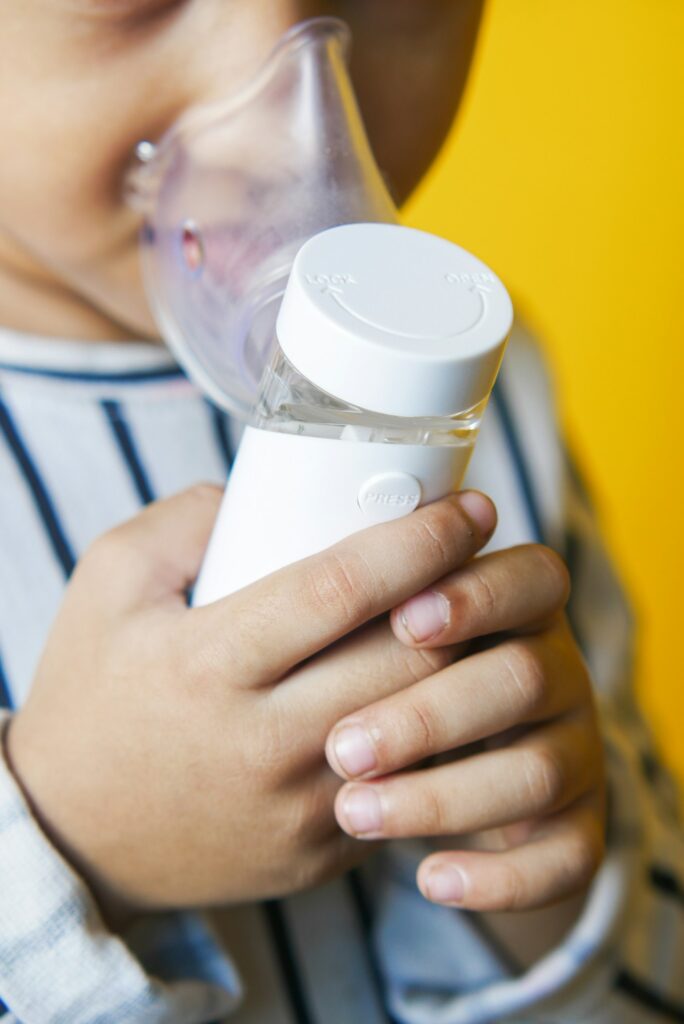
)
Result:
{"points": [[394, 320], [232, 191]]}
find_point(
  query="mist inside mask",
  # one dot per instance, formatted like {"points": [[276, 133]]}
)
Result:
{"points": [[231, 192]]}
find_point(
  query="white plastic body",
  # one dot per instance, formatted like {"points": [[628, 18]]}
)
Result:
{"points": [[290, 496]]}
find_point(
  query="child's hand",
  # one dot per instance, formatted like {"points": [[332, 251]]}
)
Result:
{"points": [[176, 755], [538, 776]]}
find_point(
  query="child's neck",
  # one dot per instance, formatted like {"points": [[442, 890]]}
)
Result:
{"points": [[35, 301]]}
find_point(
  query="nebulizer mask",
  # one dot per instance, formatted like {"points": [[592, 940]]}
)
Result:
{"points": [[360, 354]]}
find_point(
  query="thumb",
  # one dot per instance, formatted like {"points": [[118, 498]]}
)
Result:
{"points": [[157, 554]]}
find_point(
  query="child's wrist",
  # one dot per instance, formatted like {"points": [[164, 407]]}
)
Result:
{"points": [[116, 912]]}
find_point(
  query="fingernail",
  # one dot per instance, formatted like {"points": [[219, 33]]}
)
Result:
{"points": [[354, 750], [479, 509], [362, 810], [446, 884], [425, 615]]}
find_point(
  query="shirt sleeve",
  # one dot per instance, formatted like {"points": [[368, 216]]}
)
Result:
{"points": [[621, 963], [59, 963]]}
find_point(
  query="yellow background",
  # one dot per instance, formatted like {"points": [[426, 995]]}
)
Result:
{"points": [[565, 172]]}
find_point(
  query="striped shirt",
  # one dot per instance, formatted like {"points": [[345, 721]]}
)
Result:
{"points": [[88, 434]]}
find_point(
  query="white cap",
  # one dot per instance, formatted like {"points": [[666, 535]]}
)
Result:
{"points": [[394, 320]]}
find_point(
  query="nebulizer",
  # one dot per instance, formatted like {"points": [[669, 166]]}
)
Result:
{"points": [[360, 354]]}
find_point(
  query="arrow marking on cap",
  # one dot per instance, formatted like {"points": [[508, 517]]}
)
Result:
{"points": [[337, 293]]}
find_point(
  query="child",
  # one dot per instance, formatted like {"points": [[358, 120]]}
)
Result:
{"points": [[256, 754]]}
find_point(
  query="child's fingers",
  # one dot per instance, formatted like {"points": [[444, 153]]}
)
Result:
{"points": [[537, 775], [507, 590], [560, 861], [367, 666], [521, 680], [275, 623]]}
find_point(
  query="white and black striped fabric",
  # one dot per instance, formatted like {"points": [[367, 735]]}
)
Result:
{"points": [[88, 434]]}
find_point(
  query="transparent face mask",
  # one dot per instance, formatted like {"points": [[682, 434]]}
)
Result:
{"points": [[231, 192]]}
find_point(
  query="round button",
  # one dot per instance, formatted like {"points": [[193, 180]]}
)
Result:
{"points": [[389, 496]]}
